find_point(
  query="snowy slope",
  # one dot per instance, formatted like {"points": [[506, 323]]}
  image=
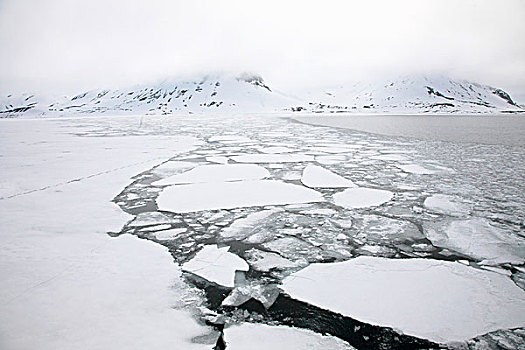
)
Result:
{"points": [[210, 94], [248, 93], [413, 94]]}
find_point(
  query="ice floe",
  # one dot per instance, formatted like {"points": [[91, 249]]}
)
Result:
{"points": [[272, 158], [151, 218], [362, 197], [216, 265], [229, 195], [217, 173], [478, 239], [264, 337], [217, 159], [445, 204], [437, 300], [227, 139], [416, 169], [244, 227], [318, 177], [266, 261], [390, 157], [169, 234], [266, 294]]}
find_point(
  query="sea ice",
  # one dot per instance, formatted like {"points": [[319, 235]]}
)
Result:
{"points": [[216, 265], [479, 239], [266, 261], [264, 293], [389, 157], [150, 218], [228, 139], [445, 204], [217, 159], [217, 173], [242, 228], [415, 169], [229, 195], [272, 158], [169, 234], [318, 177], [361, 197], [438, 300], [264, 337]]}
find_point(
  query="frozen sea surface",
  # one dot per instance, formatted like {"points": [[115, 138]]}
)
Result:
{"points": [[270, 223]]}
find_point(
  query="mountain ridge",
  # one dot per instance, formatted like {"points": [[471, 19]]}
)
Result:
{"points": [[249, 93]]}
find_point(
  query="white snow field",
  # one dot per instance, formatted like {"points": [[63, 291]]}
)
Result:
{"points": [[263, 337], [65, 283], [361, 197], [216, 265], [315, 176], [217, 173], [229, 195], [437, 300]]}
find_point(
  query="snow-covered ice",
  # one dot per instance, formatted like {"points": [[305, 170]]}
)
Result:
{"points": [[169, 234], [272, 158], [449, 205], [217, 159], [361, 197], [217, 173], [229, 195], [242, 228], [416, 169], [264, 337], [318, 177], [437, 300], [478, 239], [216, 265]]}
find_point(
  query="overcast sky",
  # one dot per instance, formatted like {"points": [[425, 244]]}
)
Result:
{"points": [[67, 44]]}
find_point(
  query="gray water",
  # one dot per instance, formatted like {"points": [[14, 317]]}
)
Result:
{"points": [[487, 129]]}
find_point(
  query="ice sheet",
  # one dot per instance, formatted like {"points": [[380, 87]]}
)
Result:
{"points": [[216, 265], [217, 173], [229, 195], [362, 197], [318, 177], [437, 300]]}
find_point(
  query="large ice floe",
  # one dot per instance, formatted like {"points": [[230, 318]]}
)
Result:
{"points": [[263, 337], [436, 300], [318, 177], [229, 195], [217, 173], [478, 239], [216, 265], [361, 197]]}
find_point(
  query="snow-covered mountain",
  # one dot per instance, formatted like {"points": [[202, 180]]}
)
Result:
{"points": [[413, 94], [210, 94], [248, 93]]}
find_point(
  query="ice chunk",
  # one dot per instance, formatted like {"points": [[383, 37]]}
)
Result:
{"points": [[265, 293], [169, 234], [317, 176], [336, 159], [445, 204], [217, 159], [266, 261], [217, 173], [216, 265], [362, 197], [437, 300], [150, 218], [173, 167], [264, 337], [416, 169], [229, 195], [228, 139], [275, 149], [323, 212], [479, 239], [242, 228], [273, 158], [389, 157]]}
